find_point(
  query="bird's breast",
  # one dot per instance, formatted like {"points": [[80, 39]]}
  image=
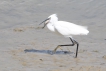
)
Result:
{"points": [[51, 27]]}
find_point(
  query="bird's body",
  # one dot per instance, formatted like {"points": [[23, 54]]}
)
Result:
{"points": [[66, 29]]}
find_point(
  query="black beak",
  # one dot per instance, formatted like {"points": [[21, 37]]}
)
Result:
{"points": [[44, 23]]}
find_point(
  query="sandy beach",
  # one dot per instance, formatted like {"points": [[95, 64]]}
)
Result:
{"points": [[24, 46]]}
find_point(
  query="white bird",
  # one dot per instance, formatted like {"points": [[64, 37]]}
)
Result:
{"points": [[66, 29]]}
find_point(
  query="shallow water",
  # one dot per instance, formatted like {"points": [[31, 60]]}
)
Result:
{"points": [[24, 46]]}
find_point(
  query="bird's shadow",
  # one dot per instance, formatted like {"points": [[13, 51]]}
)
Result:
{"points": [[47, 51]]}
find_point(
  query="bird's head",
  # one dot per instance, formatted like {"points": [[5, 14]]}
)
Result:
{"points": [[51, 19]]}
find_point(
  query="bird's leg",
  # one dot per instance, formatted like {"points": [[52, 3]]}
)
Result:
{"points": [[64, 45], [77, 48], [61, 48], [73, 43], [56, 48]]}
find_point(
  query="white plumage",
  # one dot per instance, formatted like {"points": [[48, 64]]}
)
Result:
{"points": [[64, 28]]}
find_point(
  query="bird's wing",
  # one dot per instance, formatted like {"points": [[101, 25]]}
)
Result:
{"points": [[67, 28]]}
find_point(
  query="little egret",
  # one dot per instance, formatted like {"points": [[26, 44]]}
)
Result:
{"points": [[66, 29]]}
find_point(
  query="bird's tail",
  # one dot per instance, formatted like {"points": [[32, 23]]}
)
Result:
{"points": [[86, 30]]}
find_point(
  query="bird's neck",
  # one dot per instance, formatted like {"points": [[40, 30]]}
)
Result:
{"points": [[51, 23], [50, 26]]}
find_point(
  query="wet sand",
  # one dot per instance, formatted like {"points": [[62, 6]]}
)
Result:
{"points": [[26, 47]]}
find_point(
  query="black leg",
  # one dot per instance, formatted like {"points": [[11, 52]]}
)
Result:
{"points": [[73, 43], [77, 48], [64, 45]]}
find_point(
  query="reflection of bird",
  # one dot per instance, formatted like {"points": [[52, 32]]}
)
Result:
{"points": [[66, 29]]}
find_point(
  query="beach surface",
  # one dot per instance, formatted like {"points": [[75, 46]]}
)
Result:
{"points": [[24, 46]]}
